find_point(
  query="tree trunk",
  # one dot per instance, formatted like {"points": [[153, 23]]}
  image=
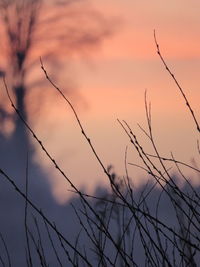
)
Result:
{"points": [[21, 133]]}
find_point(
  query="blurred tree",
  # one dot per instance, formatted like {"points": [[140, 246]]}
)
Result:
{"points": [[50, 29]]}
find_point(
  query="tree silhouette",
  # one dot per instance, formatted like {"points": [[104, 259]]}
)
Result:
{"points": [[50, 29], [30, 29]]}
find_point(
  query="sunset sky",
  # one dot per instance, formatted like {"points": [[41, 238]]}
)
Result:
{"points": [[111, 81]]}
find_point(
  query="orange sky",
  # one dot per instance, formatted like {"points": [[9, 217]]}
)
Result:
{"points": [[112, 85]]}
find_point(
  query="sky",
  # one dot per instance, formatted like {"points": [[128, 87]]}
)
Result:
{"points": [[110, 84]]}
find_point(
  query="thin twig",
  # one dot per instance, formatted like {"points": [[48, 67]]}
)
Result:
{"points": [[176, 82], [6, 249], [26, 215]]}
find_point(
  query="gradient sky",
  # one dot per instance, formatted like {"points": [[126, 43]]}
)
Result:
{"points": [[111, 84]]}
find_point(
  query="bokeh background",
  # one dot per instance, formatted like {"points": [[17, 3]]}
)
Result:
{"points": [[105, 73]]}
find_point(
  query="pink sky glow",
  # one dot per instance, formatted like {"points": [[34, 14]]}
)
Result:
{"points": [[112, 85]]}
